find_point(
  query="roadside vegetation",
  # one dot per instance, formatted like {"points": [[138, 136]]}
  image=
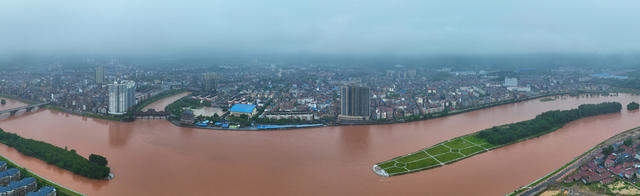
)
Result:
{"points": [[63, 158], [465, 146]]}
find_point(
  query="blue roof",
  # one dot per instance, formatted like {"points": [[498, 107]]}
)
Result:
{"points": [[44, 191], [286, 126], [17, 184], [243, 108], [9, 172]]}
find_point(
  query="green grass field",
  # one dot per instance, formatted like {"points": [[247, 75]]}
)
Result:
{"points": [[387, 164], [487, 146], [475, 140], [413, 157], [471, 150], [433, 156], [396, 170], [450, 156], [424, 163], [458, 143], [438, 149]]}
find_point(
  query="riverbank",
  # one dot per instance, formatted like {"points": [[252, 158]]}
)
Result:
{"points": [[387, 122], [61, 190], [540, 185], [128, 117], [30, 102]]}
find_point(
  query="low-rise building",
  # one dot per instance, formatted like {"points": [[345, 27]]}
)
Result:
{"points": [[19, 188], [187, 117], [44, 191], [303, 115], [243, 109], [8, 176]]}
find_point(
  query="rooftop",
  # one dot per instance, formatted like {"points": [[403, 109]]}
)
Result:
{"points": [[9, 172], [243, 108], [16, 184], [44, 191]]}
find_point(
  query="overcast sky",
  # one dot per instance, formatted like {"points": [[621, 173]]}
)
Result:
{"points": [[320, 26]]}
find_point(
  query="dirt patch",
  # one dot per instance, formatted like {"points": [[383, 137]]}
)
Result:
{"points": [[623, 188], [550, 193]]}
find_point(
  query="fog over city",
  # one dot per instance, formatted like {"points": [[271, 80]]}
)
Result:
{"points": [[146, 27]]}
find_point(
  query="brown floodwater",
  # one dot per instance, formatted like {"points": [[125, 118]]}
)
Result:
{"points": [[10, 105], [153, 157], [161, 104]]}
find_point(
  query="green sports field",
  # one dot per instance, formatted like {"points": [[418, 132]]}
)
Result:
{"points": [[437, 155]]}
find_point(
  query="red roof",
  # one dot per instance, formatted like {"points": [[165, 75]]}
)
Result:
{"points": [[607, 180]]}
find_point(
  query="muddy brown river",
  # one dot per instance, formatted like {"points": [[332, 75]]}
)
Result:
{"points": [[153, 157]]}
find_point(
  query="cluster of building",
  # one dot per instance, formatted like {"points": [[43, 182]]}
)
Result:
{"points": [[327, 93], [623, 163], [11, 184]]}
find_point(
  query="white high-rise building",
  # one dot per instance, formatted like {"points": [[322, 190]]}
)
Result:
{"points": [[510, 81], [121, 96]]}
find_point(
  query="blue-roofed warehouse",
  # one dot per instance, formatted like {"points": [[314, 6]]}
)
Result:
{"points": [[243, 109]]}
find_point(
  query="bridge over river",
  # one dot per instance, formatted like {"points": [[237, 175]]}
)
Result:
{"points": [[28, 108]]}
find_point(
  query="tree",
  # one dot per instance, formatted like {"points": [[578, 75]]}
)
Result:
{"points": [[69, 160], [633, 106], [628, 142], [3, 101], [545, 122], [100, 160], [607, 150]]}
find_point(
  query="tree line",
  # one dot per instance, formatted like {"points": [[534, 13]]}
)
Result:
{"points": [[66, 159], [545, 122]]}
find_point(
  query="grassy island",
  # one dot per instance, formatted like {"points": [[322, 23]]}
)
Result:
{"points": [[468, 145], [66, 159]]}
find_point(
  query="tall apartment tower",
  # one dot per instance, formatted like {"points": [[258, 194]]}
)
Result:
{"points": [[354, 103], [510, 81], [209, 81], [100, 75], [121, 96]]}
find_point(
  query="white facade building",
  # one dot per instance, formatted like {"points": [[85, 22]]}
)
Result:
{"points": [[510, 81], [121, 96]]}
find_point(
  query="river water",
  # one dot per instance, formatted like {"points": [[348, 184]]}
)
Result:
{"points": [[161, 104], [154, 157]]}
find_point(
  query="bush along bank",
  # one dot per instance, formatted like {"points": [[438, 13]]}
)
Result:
{"points": [[62, 158]]}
